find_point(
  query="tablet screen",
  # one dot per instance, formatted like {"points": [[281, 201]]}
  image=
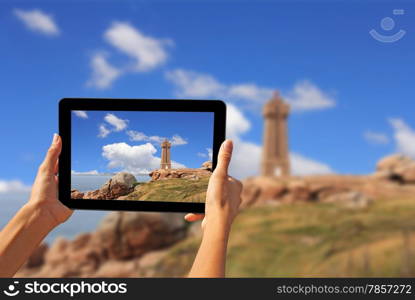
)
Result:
{"points": [[141, 155]]}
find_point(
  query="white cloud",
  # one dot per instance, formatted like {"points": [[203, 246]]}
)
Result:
{"points": [[236, 123], [246, 158], [210, 153], [81, 114], [177, 140], [92, 172], [376, 137], [200, 85], [303, 97], [301, 165], [117, 123], [38, 21], [250, 92], [207, 154], [194, 84], [134, 159], [103, 73], [404, 137], [13, 186], [103, 131], [147, 52], [307, 96], [137, 136]]}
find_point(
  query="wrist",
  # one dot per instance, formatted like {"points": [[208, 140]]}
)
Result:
{"points": [[40, 212], [218, 227]]}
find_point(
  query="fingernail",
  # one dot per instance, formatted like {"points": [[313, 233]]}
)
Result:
{"points": [[55, 138]]}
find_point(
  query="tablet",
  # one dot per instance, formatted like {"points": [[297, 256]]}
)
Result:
{"points": [[138, 154]]}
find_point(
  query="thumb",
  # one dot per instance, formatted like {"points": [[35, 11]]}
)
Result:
{"points": [[49, 164], [224, 158]]}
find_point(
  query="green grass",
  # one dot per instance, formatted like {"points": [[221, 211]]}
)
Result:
{"points": [[317, 240], [175, 189]]}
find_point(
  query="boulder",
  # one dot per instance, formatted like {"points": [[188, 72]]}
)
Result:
{"points": [[207, 165], [119, 185], [298, 190], [149, 263], [57, 252], [185, 173], [408, 173], [262, 189], [123, 235], [37, 258], [351, 199], [75, 194], [276, 190], [116, 268], [392, 162], [113, 250], [396, 167], [96, 194]]}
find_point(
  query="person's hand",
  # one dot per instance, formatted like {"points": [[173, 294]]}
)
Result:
{"points": [[44, 196], [223, 195]]}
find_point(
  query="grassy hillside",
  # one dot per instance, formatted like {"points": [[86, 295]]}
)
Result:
{"points": [[304, 239], [175, 189]]}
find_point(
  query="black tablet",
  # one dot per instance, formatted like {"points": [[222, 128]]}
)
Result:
{"points": [[138, 154]]}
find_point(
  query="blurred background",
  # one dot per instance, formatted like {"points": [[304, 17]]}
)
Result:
{"points": [[346, 69]]}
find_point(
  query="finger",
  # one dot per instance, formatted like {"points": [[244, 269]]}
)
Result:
{"points": [[56, 169], [49, 164], [203, 225], [193, 217], [224, 158], [235, 181]]}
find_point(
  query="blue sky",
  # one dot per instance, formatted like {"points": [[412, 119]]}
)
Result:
{"points": [[112, 141], [351, 95]]}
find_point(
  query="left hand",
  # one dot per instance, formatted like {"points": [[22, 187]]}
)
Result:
{"points": [[44, 194], [223, 195]]}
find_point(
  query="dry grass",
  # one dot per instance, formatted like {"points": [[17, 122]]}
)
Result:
{"points": [[172, 190], [316, 240]]}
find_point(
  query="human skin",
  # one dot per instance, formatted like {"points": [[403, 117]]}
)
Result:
{"points": [[222, 204], [41, 214]]}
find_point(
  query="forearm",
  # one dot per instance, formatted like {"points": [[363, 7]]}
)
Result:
{"points": [[211, 257], [21, 236]]}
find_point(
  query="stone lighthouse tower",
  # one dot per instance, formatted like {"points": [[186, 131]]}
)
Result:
{"points": [[165, 155], [275, 155]]}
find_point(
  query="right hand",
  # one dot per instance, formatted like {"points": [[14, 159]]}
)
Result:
{"points": [[44, 194], [223, 195]]}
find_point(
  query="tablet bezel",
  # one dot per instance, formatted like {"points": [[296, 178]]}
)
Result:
{"points": [[67, 105]]}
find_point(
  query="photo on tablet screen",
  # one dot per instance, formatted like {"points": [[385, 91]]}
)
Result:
{"points": [[141, 155]]}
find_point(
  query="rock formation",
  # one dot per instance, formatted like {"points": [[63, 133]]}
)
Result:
{"points": [[395, 176], [119, 185], [114, 249], [131, 234], [396, 167], [207, 165], [129, 244], [185, 173], [193, 174]]}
